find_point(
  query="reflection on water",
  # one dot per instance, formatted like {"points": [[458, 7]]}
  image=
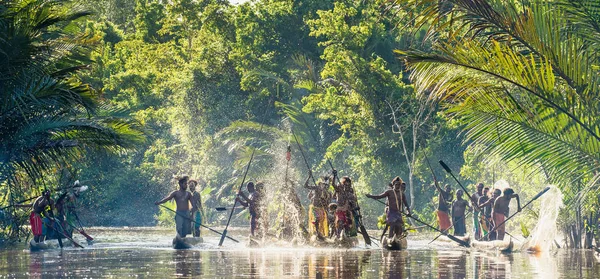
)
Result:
{"points": [[148, 254]]}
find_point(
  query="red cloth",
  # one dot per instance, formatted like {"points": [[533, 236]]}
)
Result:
{"points": [[36, 224], [341, 216], [499, 218], [443, 220]]}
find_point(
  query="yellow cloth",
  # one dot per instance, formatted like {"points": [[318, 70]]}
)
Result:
{"points": [[322, 216]]}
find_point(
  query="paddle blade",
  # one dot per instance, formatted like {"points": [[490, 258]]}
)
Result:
{"points": [[458, 240], [222, 238], [541, 193], [445, 166], [87, 236]]}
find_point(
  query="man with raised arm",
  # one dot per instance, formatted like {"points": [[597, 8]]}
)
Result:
{"points": [[443, 210], [396, 201], [344, 220], [182, 198]]}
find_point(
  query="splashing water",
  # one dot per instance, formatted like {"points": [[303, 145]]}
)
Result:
{"points": [[545, 231], [284, 210]]}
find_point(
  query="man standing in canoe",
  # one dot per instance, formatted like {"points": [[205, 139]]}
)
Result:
{"points": [[476, 210], [319, 200], [396, 201], [486, 203], [41, 206], [443, 210], [501, 211], [196, 208], [459, 207], [182, 198], [344, 220], [253, 202]]}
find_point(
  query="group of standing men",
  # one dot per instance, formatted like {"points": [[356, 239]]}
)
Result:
{"points": [[331, 213], [50, 218], [490, 210], [189, 207]]}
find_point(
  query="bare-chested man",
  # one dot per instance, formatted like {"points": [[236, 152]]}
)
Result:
{"points": [[459, 207], [344, 197], [476, 210], [396, 201], [486, 204], [196, 207], [319, 201], [253, 202], [500, 211], [182, 198], [35, 218]]}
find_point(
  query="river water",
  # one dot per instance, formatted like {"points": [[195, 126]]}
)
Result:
{"points": [[146, 253]]}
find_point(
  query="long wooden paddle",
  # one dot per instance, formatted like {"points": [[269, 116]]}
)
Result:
{"points": [[62, 232], [537, 196], [80, 229], [459, 241], [311, 176], [446, 230], [190, 219], [224, 234], [222, 208], [29, 199]]}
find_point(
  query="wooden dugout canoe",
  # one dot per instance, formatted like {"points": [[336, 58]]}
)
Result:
{"points": [[48, 244], [186, 242], [503, 246], [394, 244]]}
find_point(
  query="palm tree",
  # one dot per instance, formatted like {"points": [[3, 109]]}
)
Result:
{"points": [[522, 77], [47, 114]]}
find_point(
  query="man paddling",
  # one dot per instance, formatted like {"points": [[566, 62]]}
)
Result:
{"points": [[42, 206], [252, 201], [319, 200], [182, 198], [486, 204], [396, 201], [344, 220], [196, 208], [443, 210], [500, 210], [476, 210], [459, 207]]}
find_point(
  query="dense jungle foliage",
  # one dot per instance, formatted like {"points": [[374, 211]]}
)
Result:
{"points": [[124, 94]]}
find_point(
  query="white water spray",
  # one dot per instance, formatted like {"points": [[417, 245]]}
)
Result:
{"points": [[501, 184], [545, 231]]}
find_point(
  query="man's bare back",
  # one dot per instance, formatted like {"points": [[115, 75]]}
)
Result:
{"points": [[501, 205], [40, 204]]}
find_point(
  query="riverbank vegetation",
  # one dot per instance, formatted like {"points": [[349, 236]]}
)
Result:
{"points": [[123, 94]]}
